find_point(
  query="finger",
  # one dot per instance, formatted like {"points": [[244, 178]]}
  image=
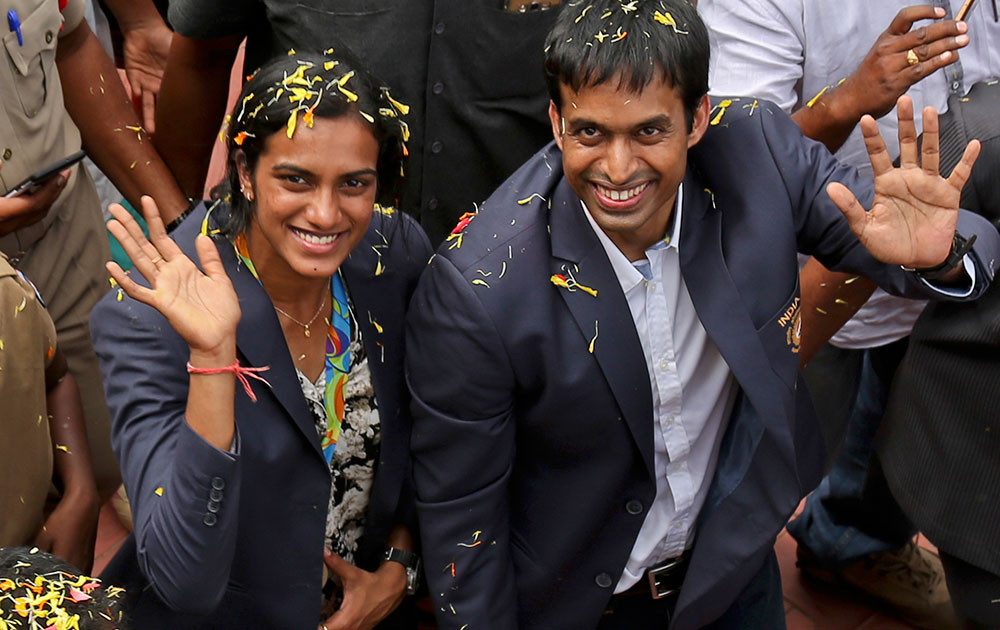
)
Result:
{"points": [[904, 20], [907, 132], [149, 111], [963, 170], [208, 256], [877, 152], [949, 33], [849, 205], [131, 288], [930, 155], [135, 232], [344, 569], [157, 231], [133, 249]]}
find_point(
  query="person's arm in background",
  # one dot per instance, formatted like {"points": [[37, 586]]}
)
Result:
{"points": [[192, 105], [71, 529], [145, 49], [112, 134], [764, 51], [884, 75]]}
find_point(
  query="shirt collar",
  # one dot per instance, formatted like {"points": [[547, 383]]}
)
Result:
{"points": [[625, 270]]}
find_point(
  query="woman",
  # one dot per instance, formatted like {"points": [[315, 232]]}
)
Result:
{"points": [[234, 500]]}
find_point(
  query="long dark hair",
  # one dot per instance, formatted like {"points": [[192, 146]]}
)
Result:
{"points": [[293, 90]]}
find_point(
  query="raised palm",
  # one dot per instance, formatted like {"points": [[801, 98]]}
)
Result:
{"points": [[201, 306], [912, 220]]}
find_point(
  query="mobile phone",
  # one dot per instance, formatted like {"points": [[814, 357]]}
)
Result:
{"points": [[40, 178]]}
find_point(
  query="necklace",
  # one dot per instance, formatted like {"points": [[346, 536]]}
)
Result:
{"points": [[305, 325]]}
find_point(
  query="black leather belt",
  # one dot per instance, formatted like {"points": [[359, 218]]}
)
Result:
{"points": [[663, 580]]}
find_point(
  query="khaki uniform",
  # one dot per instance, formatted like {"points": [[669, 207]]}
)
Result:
{"points": [[64, 253], [27, 344]]}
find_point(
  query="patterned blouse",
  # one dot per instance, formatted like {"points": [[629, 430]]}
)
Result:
{"points": [[353, 467]]}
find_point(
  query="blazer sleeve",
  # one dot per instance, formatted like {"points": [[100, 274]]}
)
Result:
{"points": [[462, 387], [184, 492], [822, 231]]}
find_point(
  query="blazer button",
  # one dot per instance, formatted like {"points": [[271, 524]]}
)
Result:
{"points": [[634, 507], [603, 580], [215, 495], [210, 519], [218, 483], [213, 507]]}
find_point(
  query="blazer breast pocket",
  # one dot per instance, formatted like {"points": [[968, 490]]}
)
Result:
{"points": [[781, 337]]}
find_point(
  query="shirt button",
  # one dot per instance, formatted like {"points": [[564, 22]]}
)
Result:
{"points": [[664, 365], [7, 153], [218, 483], [433, 203], [634, 507], [436, 146], [438, 87], [652, 286], [48, 37], [439, 28], [603, 580], [210, 519], [670, 419]]}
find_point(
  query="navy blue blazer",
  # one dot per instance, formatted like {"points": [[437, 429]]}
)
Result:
{"points": [[224, 541], [530, 450]]}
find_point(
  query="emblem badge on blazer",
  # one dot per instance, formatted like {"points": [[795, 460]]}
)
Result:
{"points": [[791, 322]]}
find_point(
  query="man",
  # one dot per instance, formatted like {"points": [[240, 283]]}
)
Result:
{"points": [[851, 530], [59, 89], [465, 70], [603, 361]]}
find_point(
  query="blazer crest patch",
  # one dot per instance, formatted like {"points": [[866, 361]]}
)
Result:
{"points": [[791, 322]]}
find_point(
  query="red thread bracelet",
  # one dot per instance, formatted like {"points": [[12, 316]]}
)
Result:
{"points": [[241, 373]]}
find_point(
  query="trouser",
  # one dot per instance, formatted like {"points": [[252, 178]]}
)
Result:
{"points": [[760, 606], [975, 593], [852, 513]]}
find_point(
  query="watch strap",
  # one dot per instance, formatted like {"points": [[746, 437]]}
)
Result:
{"points": [[960, 246], [408, 559]]}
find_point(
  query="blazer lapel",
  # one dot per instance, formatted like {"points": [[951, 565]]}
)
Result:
{"points": [[717, 300], [577, 250], [260, 340]]}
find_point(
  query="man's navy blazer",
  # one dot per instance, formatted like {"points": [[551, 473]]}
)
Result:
{"points": [[224, 541], [533, 420]]}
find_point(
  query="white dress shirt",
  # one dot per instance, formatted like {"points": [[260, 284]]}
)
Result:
{"points": [[788, 50], [693, 393]]}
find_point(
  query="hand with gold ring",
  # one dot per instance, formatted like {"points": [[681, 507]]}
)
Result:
{"points": [[901, 56]]}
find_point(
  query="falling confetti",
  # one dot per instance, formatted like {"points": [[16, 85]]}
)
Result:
{"points": [[594, 340]]}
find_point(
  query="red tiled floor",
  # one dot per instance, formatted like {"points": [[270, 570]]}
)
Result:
{"points": [[110, 535]]}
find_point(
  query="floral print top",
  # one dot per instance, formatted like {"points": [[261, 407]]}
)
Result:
{"points": [[353, 467]]}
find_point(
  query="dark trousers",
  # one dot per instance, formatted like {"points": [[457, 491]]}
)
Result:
{"points": [[759, 607], [975, 593]]}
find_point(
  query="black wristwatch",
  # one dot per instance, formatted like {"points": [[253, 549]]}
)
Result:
{"points": [[960, 246], [410, 562]]}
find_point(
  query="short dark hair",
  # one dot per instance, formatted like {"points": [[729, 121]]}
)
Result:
{"points": [[27, 574], [594, 41], [291, 90]]}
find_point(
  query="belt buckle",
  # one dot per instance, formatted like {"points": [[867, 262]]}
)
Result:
{"points": [[658, 589]]}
